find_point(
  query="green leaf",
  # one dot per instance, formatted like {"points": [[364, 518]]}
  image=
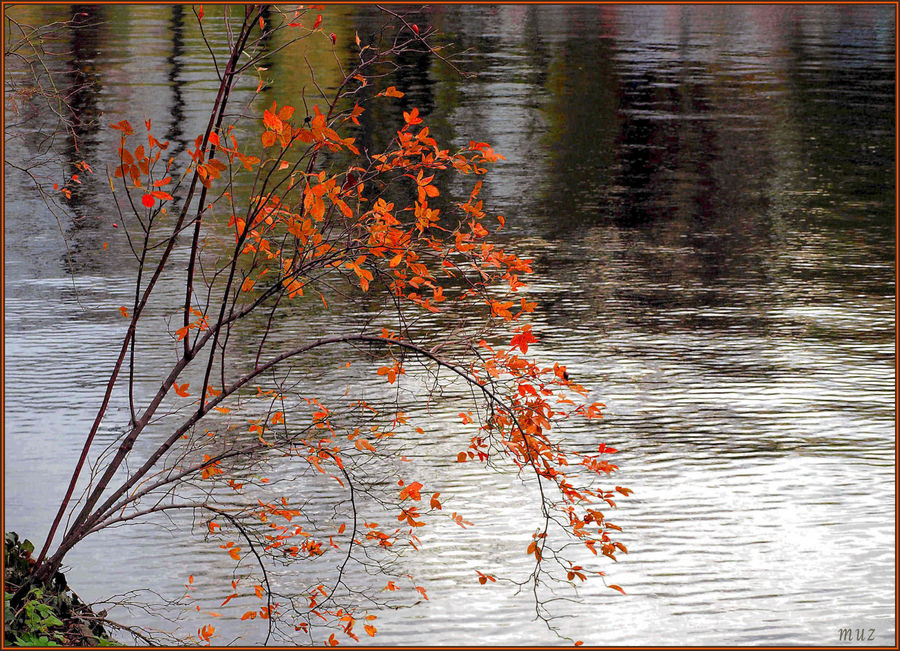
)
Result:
{"points": [[51, 620], [29, 639]]}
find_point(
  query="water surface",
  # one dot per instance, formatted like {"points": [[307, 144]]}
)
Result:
{"points": [[708, 193]]}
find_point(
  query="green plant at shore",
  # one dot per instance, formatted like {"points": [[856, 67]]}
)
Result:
{"points": [[48, 615]]}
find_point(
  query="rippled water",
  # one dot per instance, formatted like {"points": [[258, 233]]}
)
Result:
{"points": [[708, 193]]}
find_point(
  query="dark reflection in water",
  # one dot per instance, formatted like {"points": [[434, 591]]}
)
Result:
{"points": [[175, 61], [83, 88], [85, 80], [708, 193], [414, 78]]}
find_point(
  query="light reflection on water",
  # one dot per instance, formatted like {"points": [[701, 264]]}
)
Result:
{"points": [[708, 195]]}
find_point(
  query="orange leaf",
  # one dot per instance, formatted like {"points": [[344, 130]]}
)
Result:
{"points": [[522, 339], [363, 444], [412, 491], [124, 126], [615, 587], [235, 553], [370, 629], [272, 121], [461, 457], [412, 117], [124, 311], [182, 390]]}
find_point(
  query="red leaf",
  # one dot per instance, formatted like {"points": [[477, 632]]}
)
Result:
{"points": [[148, 200]]}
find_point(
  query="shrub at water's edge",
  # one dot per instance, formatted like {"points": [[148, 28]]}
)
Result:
{"points": [[49, 615]]}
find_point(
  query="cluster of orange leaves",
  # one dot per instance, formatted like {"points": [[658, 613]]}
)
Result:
{"points": [[138, 163], [413, 254]]}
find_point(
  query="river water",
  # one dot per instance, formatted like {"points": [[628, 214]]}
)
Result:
{"points": [[708, 193]]}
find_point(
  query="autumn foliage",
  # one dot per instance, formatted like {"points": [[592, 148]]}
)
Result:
{"points": [[271, 227]]}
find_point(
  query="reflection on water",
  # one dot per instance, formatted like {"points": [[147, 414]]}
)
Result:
{"points": [[708, 193]]}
